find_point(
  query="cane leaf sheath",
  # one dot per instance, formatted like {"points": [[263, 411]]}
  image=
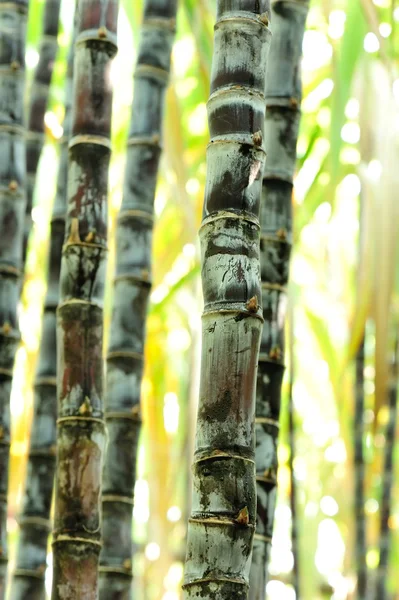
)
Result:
{"points": [[81, 432], [34, 521], [283, 96], [13, 17], [132, 286], [221, 527]]}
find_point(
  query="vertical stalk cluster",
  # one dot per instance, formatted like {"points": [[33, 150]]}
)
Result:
{"points": [[360, 471], [81, 429], [387, 480], [34, 521], [13, 16], [222, 522], [39, 93], [283, 96], [132, 286]]}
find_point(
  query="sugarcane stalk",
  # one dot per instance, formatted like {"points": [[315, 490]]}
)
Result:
{"points": [[283, 97], [39, 94], [13, 16], [34, 522], [360, 471], [222, 522], [387, 480], [132, 285], [81, 428]]}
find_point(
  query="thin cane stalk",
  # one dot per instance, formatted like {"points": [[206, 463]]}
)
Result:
{"points": [[222, 522], [34, 521], [13, 16], [283, 96], [39, 94], [81, 428], [387, 481], [132, 286], [292, 442], [360, 471]]}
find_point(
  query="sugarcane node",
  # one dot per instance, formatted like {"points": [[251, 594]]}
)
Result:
{"points": [[15, 65], [243, 516], [13, 185], [102, 32], [257, 138], [264, 18], [282, 234], [252, 304], [219, 453]]}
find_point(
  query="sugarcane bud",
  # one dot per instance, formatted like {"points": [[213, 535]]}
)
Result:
{"points": [[252, 304], [294, 102], [102, 32], [86, 408], [15, 65], [270, 474], [282, 234], [6, 328], [1, 433], [275, 353], [90, 237], [264, 17], [257, 138], [127, 564], [243, 516], [13, 186]]}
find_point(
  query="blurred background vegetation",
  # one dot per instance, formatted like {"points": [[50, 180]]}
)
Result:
{"points": [[348, 152]]}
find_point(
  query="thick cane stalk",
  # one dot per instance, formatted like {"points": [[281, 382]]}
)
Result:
{"points": [[132, 286], [34, 521], [39, 93], [283, 96], [221, 527], [12, 209], [81, 428], [360, 471], [387, 481]]}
